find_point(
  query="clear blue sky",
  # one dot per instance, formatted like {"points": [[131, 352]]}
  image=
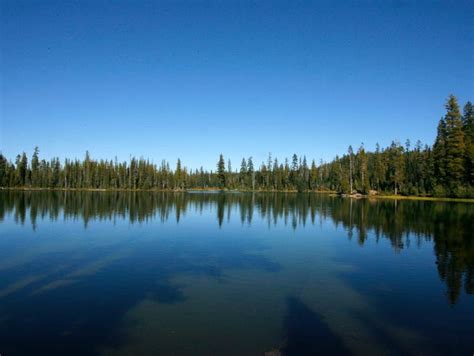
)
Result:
{"points": [[192, 79]]}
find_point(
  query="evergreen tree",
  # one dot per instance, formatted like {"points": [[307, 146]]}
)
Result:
{"points": [[350, 152], [269, 175], [468, 128], [379, 169], [363, 176], [277, 175], [56, 173], [439, 153], [3, 171], [243, 172], [294, 170], [221, 172], [313, 176], [35, 168], [396, 167], [229, 179], [179, 179], [251, 172], [22, 169], [455, 148], [428, 170]]}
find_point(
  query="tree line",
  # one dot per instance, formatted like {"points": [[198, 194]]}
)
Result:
{"points": [[444, 169]]}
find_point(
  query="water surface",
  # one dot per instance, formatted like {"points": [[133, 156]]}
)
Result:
{"points": [[114, 273]]}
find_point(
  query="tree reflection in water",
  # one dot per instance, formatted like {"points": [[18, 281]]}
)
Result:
{"points": [[448, 225]]}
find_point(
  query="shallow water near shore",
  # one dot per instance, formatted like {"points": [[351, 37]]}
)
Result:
{"points": [[130, 273]]}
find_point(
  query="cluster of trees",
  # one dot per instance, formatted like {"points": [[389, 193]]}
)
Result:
{"points": [[445, 169]]}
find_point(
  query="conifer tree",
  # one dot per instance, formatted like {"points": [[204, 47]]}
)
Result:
{"points": [[251, 172], [439, 153], [179, 175], [243, 172], [379, 169], [468, 128], [294, 170], [229, 179], [350, 152], [362, 163], [313, 175], [455, 148], [22, 169], [269, 176], [277, 174], [221, 172], [3, 171], [35, 167]]}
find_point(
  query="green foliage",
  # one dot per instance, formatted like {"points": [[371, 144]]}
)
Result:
{"points": [[362, 177], [221, 172], [439, 152], [446, 169], [455, 147], [468, 129]]}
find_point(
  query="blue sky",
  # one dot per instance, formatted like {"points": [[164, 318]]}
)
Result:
{"points": [[192, 79]]}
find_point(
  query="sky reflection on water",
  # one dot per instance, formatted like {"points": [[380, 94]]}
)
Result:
{"points": [[142, 273]]}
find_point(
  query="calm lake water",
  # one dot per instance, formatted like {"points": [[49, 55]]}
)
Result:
{"points": [[199, 273]]}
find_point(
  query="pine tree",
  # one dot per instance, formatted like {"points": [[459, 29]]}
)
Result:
{"points": [[3, 171], [305, 174], [35, 167], [229, 178], [396, 166], [455, 148], [269, 176], [22, 169], [251, 172], [439, 154], [362, 162], [286, 174], [294, 170], [399, 170], [468, 128], [428, 170], [379, 169], [221, 172], [56, 174], [313, 175], [243, 172], [179, 175], [277, 174]]}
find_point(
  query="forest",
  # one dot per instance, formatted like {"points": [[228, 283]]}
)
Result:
{"points": [[444, 169]]}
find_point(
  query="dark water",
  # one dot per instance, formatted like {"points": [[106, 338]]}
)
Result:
{"points": [[161, 273]]}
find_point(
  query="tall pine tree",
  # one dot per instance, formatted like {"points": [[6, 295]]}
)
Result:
{"points": [[455, 147], [221, 172], [439, 156], [468, 128]]}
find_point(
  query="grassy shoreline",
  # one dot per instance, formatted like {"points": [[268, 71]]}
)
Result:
{"points": [[378, 196]]}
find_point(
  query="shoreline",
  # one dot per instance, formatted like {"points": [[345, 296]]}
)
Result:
{"points": [[215, 190]]}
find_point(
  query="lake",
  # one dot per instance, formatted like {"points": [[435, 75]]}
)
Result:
{"points": [[140, 273]]}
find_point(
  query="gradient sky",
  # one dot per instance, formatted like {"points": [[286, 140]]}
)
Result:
{"points": [[192, 79]]}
